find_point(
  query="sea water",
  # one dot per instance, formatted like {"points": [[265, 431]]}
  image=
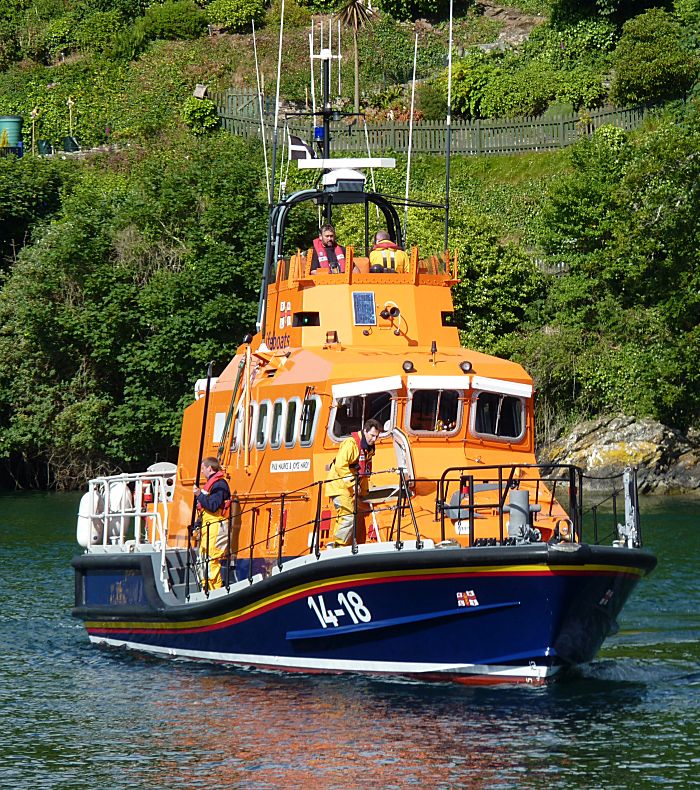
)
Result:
{"points": [[78, 717]]}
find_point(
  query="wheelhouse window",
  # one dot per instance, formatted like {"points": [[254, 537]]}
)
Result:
{"points": [[310, 410], [351, 413], [498, 416], [434, 411]]}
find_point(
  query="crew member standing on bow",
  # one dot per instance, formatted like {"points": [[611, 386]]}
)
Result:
{"points": [[387, 254], [353, 462], [328, 255], [213, 506]]}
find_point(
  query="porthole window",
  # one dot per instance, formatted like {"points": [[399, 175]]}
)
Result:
{"points": [[263, 424], [291, 423], [277, 426], [310, 411]]}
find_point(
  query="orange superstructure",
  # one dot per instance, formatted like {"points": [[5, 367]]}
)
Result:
{"points": [[337, 350]]}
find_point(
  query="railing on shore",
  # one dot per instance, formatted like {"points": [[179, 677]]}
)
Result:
{"points": [[239, 114]]}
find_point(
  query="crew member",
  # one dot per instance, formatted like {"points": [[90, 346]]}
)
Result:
{"points": [[213, 506], [387, 254], [328, 254], [354, 461]]}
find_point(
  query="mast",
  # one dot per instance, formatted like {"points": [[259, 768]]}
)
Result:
{"points": [[448, 129]]}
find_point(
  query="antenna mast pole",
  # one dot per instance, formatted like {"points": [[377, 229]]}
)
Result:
{"points": [[448, 130]]}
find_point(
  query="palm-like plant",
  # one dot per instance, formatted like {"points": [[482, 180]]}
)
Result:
{"points": [[355, 15]]}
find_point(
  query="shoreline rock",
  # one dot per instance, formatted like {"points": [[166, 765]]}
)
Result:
{"points": [[668, 462]]}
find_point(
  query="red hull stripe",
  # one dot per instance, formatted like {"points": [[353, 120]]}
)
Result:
{"points": [[284, 598]]}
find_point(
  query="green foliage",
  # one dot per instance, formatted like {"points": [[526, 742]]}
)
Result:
{"points": [[200, 115], [30, 192], [174, 19], [619, 331], [571, 45], [387, 35], [432, 100], [296, 15], [492, 86], [652, 62], [138, 281], [179, 19], [416, 9], [97, 31], [235, 14]]}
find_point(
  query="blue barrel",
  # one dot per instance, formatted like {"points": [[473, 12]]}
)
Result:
{"points": [[10, 131]]}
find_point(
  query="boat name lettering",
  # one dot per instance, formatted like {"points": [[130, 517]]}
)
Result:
{"points": [[292, 465], [467, 598], [274, 342], [349, 604]]}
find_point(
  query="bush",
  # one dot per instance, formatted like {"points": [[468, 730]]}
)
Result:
{"points": [[200, 115], [97, 31], [432, 100], [174, 20], [652, 62], [235, 14]]}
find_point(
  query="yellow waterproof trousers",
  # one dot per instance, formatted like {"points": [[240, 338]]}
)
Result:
{"points": [[345, 517]]}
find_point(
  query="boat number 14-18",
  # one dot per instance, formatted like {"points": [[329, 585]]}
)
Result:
{"points": [[349, 604]]}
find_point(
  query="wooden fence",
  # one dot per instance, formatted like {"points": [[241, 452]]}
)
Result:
{"points": [[239, 114]]}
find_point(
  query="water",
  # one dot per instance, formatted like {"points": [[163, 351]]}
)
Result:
{"points": [[79, 718]]}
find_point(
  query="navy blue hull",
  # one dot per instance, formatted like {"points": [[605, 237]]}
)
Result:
{"points": [[510, 612]]}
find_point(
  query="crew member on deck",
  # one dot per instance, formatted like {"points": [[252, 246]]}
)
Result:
{"points": [[213, 506], [328, 254], [354, 460], [387, 254]]}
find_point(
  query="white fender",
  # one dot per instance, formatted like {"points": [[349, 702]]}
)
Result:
{"points": [[89, 528], [120, 500]]}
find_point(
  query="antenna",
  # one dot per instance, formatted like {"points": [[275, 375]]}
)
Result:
{"points": [[311, 61], [410, 139], [262, 117], [448, 129], [268, 242]]}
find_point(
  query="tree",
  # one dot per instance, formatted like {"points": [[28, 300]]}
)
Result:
{"points": [[355, 15], [652, 62]]}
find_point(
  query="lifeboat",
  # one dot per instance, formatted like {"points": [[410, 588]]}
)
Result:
{"points": [[466, 560]]}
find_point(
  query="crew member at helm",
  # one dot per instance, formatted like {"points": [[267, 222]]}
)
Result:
{"points": [[213, 506], [353, 462], [328, 255], [387, 255]]}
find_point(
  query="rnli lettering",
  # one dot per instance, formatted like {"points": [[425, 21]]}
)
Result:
{"points": [[349, 604], [275, 342], [293, 465]]}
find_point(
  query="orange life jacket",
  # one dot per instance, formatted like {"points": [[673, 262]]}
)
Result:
{"points": [[364, 462], [206, 487], [322, 255]]}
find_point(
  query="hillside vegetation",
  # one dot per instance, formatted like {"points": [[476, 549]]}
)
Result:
{"points": [[125, 272]]}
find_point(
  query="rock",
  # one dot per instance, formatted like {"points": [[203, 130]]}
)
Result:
{"points": [[666, 460]]}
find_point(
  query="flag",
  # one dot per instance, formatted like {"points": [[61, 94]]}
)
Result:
{"points": [[299, 149]]}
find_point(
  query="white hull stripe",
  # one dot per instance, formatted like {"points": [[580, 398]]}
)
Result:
{"points": [[531, 671]]}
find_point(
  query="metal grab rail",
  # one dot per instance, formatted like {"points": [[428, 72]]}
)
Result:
{"points": [[147, 516], [631, 532], [303, 493], [503, 478]]}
